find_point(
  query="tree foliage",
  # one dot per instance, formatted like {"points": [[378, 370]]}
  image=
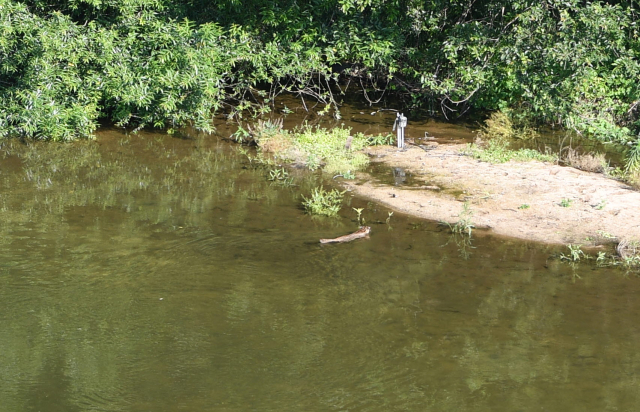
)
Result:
{"points": [[67, 65]]}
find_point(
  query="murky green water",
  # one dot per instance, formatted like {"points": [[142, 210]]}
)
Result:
{"points": [[150, 273]]}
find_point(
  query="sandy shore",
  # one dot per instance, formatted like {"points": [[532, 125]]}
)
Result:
{"points": [[533, 200]]}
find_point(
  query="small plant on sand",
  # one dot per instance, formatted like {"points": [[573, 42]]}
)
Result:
{"points": [[464, 225], [605, 235], [601, 238], [566, 202], [601, 205], [323, 202], [589, 162], [523, 206]]}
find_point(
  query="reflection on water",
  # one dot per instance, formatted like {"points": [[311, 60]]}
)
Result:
{"points": [[159, 274]]}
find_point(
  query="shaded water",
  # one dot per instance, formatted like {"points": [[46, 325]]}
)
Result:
{"points": [[150, 273]]}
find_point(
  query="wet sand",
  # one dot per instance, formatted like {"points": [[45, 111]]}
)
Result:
{"points": [[532, 200]]}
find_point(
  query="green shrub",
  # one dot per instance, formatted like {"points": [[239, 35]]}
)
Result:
{"points": [[66, 65], [316, 147]]}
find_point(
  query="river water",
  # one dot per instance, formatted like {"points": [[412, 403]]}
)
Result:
{"points": [[155, 273]]}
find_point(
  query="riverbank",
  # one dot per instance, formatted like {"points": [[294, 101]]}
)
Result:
{"points": [[533, 200]]}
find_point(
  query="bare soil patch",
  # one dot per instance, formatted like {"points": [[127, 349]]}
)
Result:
{"points": [[535, 201]]}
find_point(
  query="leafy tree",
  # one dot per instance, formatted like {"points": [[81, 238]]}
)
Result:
{"points": [[67, 65]]}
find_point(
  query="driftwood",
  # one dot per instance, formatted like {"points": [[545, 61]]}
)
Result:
{"points": [[360, 233]]}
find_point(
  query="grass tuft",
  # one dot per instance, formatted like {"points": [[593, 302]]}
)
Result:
{"points": [[335, 150], [566, 202], [323, 202], [589, 162]]}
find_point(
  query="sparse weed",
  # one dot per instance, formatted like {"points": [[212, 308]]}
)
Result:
{"points": [[524, 206], [280, 176], [589, 162], [631, 262], [601, 260], [575, 254], [628, 255], [605, 235], [629, 176], [313, 162], [632, 178], [241, 135], [566, 202], [464, 225], [628, 249], [632, 161], [388, 217], [616, 173], [359, 210]]}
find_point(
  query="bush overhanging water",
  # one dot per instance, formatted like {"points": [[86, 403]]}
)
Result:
{"points": [[66, 65]]}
